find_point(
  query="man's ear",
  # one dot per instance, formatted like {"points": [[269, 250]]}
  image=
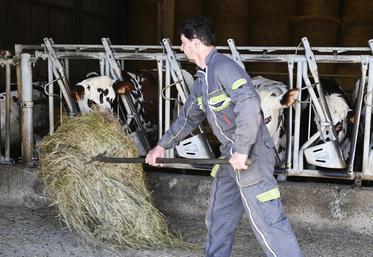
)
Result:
{"points": [[122, 87], [77, 92]]}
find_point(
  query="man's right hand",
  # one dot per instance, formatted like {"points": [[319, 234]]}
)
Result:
{"points": [[156, 152]]}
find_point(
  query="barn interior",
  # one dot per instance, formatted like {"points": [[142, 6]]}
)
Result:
{"points": [[330, 200]]}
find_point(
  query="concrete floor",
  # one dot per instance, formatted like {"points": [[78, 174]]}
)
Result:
{"points": [[37, 233], [329, 220]]}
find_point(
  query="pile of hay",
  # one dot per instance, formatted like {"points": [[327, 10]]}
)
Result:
{"points": [[105, 203]]}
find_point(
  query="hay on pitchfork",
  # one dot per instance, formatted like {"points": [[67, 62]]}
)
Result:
{"points": [[105, 203]]}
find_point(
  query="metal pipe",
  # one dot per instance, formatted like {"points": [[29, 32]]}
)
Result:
{"points": [[27, 106], [289, 126], [7, 114], [297, 116], [160, 99], [67, 68], [368, 118], [50, 97], [355, 131], [102, 66], [170, 152]]}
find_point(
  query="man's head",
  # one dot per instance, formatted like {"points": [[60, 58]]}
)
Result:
{"points": [[199, 27], [197, 38]]}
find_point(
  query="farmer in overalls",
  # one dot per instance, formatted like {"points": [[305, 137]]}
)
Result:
{"points": [[223, 93]]}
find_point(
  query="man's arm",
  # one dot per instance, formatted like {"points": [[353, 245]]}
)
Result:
{"points": [[190, 117]]}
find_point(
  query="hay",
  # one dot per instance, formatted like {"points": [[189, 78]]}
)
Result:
{"points": [[104, 203]]}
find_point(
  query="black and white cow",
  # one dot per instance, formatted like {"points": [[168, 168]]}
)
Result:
{"points": [[142, 86], [40, 119], [361, 126], [337, 103], [275, 97]]}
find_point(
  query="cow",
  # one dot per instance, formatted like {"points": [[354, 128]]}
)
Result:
{"points": [[338, 106], [40, 119], [275, 97], [141, 86], [361, 127]]}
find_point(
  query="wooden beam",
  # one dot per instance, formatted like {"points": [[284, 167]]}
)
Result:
{"points": [[166, 19]]}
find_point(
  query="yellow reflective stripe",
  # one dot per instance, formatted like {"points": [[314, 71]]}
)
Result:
{"points": [[238, 83], [216, 168], [269, 195], [199, 102], [218, 99]]}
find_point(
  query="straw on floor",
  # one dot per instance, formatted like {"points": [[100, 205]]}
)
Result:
{"points": [[104, 203]]}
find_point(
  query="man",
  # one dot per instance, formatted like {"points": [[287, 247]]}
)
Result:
{"points": [[223, 93]]}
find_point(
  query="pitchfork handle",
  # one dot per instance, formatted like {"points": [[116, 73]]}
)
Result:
{"points": [[103, 158]]}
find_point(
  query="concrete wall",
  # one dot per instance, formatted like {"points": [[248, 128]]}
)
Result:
{"points": [[186, 196]]}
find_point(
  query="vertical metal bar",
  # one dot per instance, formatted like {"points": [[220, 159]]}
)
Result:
{"points": [[102, 66], [7, 113], [300, 65], [27, 105], [289, 126], [50, 97], [160, 98], [355, 131], [67, 68], [170, 152], [368, 118], [107, 68]]}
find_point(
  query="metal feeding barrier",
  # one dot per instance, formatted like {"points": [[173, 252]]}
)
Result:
{"points": [[6, 62], [169, 59]]}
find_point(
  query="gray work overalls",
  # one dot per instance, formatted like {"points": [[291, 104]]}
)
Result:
{"points": [[223, 94]]}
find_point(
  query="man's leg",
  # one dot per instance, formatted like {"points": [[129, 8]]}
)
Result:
{"points": [[224, 214], [267, 219]]}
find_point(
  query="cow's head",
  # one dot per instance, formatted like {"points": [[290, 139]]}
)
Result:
{"points": [[274, 98], [100, 91], [339, 111]]}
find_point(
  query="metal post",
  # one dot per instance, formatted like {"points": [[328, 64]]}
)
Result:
{"points": [[355, 131], [7, 114], [297, 116], [160, 98], [368, 118], [170, 152], [289, 126], [50, 97], [27, 105]]}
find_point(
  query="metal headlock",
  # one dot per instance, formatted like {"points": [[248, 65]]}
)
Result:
{"points": [[6, 61], [59, 73], [116, 74], [196, 146], [294, 57], [328, 154]]}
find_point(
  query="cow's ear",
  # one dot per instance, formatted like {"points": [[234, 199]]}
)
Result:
{"points": [[289, 97], [351, 116], [122, 87], [77, 92]]}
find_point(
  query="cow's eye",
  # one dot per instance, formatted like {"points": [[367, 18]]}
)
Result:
{"points": [[273, 94]]}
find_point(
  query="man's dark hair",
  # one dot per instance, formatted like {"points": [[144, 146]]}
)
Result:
{"points": [[198, 27]]}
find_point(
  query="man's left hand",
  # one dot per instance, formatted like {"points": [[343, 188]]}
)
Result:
{"points": [[238, 161]]}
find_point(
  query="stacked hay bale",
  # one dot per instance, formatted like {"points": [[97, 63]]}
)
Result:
{"points": [[104, 203], [183, 10], [268, 26], [230, 20], [318, 20], [356, 30]]}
